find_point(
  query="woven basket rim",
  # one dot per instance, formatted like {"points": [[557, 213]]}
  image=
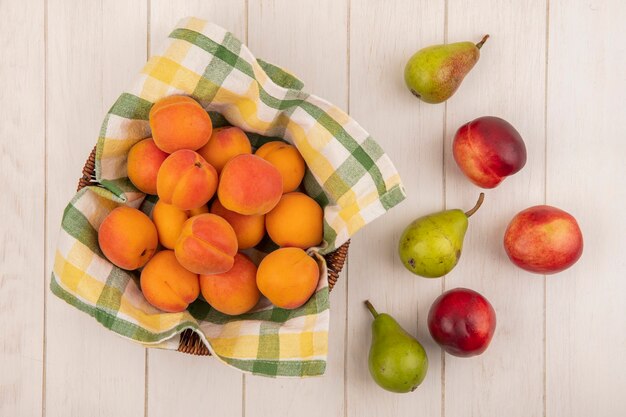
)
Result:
{"points": [[190, 342]]}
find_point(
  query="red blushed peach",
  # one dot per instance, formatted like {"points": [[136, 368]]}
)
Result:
{"points": [[179, 122], [487, 150], [233, 292], [144, 161], [249, 185], [186, 180], [206, 245], [167, 285], [249, 229], [544, 240], [127, 238], [225, 144]]}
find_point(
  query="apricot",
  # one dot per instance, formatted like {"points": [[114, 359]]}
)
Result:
{"points": [[144, 161], [249, 185], [206, 245], [225, 144], [287, 160], [249, 229], [186, 180], [127, 238], [199, 210], [169, 221], [179, 122], [233, 292], [297, 220], [288, 277], [167, 285]]}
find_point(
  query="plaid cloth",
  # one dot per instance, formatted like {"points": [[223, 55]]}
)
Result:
{"points": [[348, 175]]}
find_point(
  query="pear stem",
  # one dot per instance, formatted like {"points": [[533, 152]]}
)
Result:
{"points": [[371, 308], [474, 209], [482, 42]]}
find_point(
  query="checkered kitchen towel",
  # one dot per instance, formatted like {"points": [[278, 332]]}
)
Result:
{"points": [[348, 174]]}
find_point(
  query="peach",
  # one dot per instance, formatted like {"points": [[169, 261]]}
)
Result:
{"points": [[167, 285], [233, 292], [206, 245], [144, 161], [225, 144], [543, 239], [249, 229], [297, 220], [249, 185], [179, 122], [287, 160], [288, 277], [186, 180], [127, 238]]}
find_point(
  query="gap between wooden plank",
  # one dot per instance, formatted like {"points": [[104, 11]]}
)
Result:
{"points": [[443, 184], [545, 201], [45, 204]]}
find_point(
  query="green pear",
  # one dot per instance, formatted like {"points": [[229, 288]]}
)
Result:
{"points": [[397, 362], [434, 73], [431, 245]]}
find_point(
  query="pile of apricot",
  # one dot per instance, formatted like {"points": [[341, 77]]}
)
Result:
{"points": [[216, 198]]}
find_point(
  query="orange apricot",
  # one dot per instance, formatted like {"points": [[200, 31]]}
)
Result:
{"points": [[186, 180], [179, 122], [225, 144], [249, 229], [167, 285], [206, 245], [288, 277], [233, 292], [144, 161], [297, 220], [249, 185], [287, 160], [127, 238]]}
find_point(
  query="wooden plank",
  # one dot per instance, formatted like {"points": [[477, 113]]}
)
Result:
{"points": [[320, 61], [509, 82], [213, 386], [586, 325], [22, 146], [382, 39], [94, 51]]}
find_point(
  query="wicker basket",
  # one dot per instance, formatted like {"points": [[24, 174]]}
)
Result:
{"points": [[189, 340]]}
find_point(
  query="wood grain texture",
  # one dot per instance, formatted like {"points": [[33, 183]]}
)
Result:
{"points": [[94, 51], [508, 82], [22, 208], [202, 384], [277, 37], [69, 60], [382, 39], [586, 327]]}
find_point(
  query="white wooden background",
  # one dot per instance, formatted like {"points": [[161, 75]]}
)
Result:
{"points": [[556, 69]]}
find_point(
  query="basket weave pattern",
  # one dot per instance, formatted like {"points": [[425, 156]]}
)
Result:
{"points": [[190, 342]]}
